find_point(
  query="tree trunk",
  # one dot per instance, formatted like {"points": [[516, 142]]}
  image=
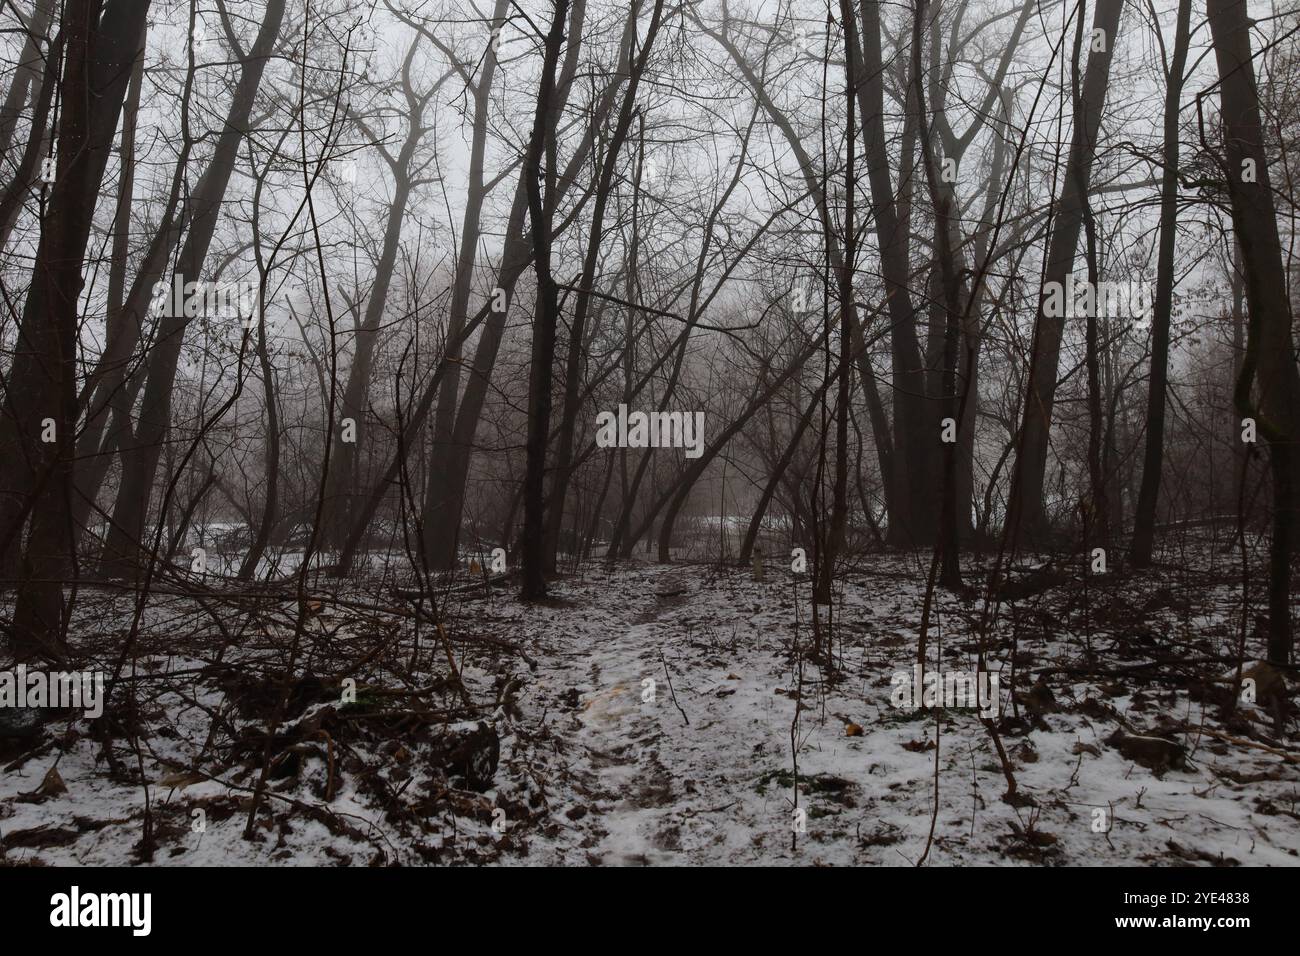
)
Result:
{"points": [[27, 73], [835, 536], [946, 231], [1270, 351], [442, 512], [41, 387], [1149, 495], [341, 490], [541, 212], [445, 496], [912, 518], [577, 330], [1026, 513], [141, 451], [271, 504]]}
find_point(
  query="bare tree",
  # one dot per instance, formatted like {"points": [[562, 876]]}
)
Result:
{"points": [[541, 212], [1268, 387], [38, 428], [1145, 518], [1026, 515]]}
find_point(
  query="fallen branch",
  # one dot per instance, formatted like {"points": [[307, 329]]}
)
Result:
{"points": [[1288, 757]]}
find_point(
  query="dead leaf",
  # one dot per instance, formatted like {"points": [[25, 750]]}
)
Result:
{"points": [[51, 786], [180, 779]]}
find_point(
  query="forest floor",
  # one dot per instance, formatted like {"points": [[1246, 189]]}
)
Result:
{"points": [[650, 720]]}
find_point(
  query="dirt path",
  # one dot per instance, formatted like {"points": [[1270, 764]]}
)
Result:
{"points": [[668, 736]]}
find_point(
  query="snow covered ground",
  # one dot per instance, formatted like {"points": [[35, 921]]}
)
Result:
{"points": [[665, 717]]}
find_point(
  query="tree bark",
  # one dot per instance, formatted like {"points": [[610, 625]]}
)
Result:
{"points": [[41, 387], [441, 510], [1269, 360], [1026, 512], [541, 212], [915, 492], [1149, 494]]}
